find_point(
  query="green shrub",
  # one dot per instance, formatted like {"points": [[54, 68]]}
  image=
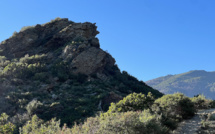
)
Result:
{"points": [[90, 126], [60, 70], [56, 19], [174, 108], [23, 70], [177, 106], [2, 59], [81, 78], [5, 126], [133, 102], [33, 106], [14, 34], [38, 126], [212, 104], [201, 102], [205, 124], [32, 59], [122, 123], [26, 28], [42, 76]]}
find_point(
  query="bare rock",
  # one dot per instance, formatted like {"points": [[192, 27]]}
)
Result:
{"points": [[48, 37], [90, 61], [61, 38], [94, 42]]}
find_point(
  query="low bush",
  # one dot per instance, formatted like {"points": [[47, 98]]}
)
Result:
{"points": [[212, 103], [33, 106], [174, 108], [38, 126], [133, 102], [6, 127], [205, 124], [122, 123], [201, 102], [26, 28]]}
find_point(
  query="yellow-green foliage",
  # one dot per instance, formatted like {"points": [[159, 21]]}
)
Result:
{"points": [[2, 59], [26, 28], [135, 114], [90, 126], [205, 124], [52, 21], [5, 126], [122, 123], [133, 102], [26, 67], [32, 59], [32, 106], [23, 70], [174, 108], [38, 126], [201, 102]]}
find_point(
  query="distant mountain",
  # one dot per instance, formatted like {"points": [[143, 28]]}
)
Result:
{"points": [[190, 83], [58, 70]]}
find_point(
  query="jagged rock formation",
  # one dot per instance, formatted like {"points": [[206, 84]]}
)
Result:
{"points": [[58, 70], [190, 83], [81, 45]]}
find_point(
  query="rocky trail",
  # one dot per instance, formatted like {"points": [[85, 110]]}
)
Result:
{"points": [[192, 125]]}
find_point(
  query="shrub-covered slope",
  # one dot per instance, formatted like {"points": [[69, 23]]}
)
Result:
{"points": [[58, 70], [190, 83], [134, 114]]}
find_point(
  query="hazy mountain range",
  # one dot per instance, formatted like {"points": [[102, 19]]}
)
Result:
{"points": [[190, 83]]}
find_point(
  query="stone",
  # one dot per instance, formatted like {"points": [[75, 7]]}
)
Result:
{"points": [[77, 42], [94, 42], [91, 60], [47, 37]]}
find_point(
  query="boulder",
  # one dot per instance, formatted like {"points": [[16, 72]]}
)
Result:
{"points": [[91, 60]]}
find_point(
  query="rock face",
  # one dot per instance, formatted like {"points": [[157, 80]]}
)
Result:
{"points": [[92, 60], [58, 70], [49, 36], [81, 45]]}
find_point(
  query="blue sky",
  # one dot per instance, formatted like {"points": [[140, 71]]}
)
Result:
{"points": [[148, 38]]}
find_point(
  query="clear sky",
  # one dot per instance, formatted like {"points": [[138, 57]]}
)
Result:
{"points": [[148, 38]]}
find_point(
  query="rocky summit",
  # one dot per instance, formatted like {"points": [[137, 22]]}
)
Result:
{"points": [[58, 70], [81, 46]]}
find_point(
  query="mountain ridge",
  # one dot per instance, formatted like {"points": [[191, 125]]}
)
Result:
{"points": [[190, 83]]}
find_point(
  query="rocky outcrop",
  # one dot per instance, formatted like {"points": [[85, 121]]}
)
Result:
{"points": [[58, 70], [49, 36], [92, 60], [77, 43]]}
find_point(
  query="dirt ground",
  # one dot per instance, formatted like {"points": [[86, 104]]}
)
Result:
{"points": [[193, 125]]}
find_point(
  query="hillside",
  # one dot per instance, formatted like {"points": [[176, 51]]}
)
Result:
{"points": [[190, 83], [58, 70]]}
